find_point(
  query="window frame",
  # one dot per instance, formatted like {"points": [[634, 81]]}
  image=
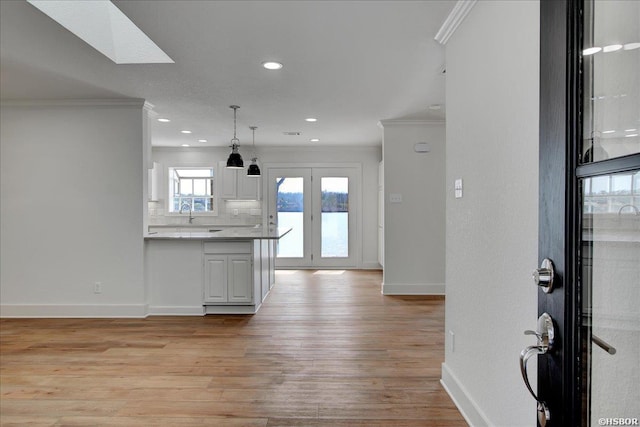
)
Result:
{"points": [[170, 182]]}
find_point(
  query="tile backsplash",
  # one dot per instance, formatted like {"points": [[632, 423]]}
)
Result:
{"points": [[230, 212]]}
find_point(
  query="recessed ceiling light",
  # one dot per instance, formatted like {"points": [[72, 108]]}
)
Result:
{"points": [[631, 135], [591, 51], [202, 140], [185, 145], [608, 131], [611, 48], [164, 120], [311, 119], [631, 46], [314, 140], [272, 65], [185, 131], [630, 130]]}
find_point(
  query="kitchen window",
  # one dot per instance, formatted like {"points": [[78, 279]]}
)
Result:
{"points": [[191, 190]]}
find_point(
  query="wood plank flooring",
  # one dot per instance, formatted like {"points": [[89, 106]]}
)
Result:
{"points": [[324, 350]]}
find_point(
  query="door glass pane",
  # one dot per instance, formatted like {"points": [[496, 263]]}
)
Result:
{"points": [[335, 217], [290, 214], [610, 281], [611, 64]]}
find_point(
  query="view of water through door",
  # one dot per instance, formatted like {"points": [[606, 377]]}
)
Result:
{"points": [[316, 203], [334, 206]]}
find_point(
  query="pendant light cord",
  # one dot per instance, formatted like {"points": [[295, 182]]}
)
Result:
{"points": [[253, 128], [235, 140]]}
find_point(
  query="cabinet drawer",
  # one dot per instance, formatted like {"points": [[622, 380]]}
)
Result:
{"points": [[227, 247]]}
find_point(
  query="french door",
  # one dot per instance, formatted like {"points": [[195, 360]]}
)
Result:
{"points": [[589, 219], [319, 204]]}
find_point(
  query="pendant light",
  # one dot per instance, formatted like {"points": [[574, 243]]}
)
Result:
{"points": [[235, 159], [254, 170]]}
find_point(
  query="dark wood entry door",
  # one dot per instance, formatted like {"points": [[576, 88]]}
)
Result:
{"points": [[589, 223]]}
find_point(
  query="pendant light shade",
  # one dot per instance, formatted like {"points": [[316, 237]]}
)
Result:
{"points": [[235, 159], [254, 170]]}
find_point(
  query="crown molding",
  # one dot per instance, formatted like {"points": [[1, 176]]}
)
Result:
{"points": [[114, 102], [404, 122], [453, 21]]}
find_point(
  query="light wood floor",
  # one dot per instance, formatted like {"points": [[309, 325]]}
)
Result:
{"points": [[324, 350]]}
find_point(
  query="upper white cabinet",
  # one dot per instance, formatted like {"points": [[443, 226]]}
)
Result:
{"points": [[227, 182], [234, 184], [154, 177]]}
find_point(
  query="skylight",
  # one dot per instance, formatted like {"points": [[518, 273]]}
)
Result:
{"points": [[105, 28]]}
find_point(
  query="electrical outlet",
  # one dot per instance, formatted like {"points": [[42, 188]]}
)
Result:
{"points": [[235, 212], [97, 288], [452, 341], [395, 198]]}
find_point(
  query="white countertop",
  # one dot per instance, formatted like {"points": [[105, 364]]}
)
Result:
{"points": [[234, 233]]}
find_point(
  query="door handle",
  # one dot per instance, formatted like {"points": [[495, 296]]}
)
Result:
{"points": [[603, 344], [545, 336]]}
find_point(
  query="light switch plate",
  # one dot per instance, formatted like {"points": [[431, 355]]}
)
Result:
{"points": [[457, 186]]}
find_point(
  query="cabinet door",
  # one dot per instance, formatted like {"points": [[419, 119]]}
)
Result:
{"points": [[215, 278], [248, 188], [272, 263], [226, 182], [264, 260], [239, 278]]}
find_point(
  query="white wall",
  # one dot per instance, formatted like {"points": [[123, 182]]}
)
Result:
{"points": [[368, 157], [414, 230], [71, 212], [492, 144]]}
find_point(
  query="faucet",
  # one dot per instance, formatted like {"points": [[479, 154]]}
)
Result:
{"points": [[190, 215]]}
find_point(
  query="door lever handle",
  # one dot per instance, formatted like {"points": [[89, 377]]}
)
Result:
{"points": [[545, 337], [603, 344]]}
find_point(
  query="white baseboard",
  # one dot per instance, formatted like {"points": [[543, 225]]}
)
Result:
{"points": [[413, 288], [371, 265], [158, 310], [73, 310], [469, 409], [232, 309]]}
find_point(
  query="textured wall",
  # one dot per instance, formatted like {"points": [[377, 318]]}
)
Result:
{"points": [[492, 144]]}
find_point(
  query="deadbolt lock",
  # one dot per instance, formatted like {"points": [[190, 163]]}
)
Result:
{"points": [[544, 275]]}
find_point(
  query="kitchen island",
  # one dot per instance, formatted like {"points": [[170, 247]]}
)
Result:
{"points": [[229, 271]]}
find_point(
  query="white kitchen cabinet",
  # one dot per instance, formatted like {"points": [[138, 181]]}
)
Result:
{"points": [[248, 188], [227, 182], [215, 278], [228, 278], [153, 182], [272, 263], [239, 279], [234, 184]]}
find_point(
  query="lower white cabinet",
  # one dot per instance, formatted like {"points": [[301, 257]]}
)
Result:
{"points": [[228, 278]]}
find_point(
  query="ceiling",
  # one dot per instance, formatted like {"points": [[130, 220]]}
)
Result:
{"points": [[347, 63]]}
